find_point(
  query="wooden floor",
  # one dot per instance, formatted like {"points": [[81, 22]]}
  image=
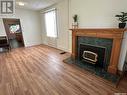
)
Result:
{"points": [[39, 70]]}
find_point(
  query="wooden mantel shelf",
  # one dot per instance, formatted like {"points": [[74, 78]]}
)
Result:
{"points": [[109, 33], [103, 33], [100, 29]]}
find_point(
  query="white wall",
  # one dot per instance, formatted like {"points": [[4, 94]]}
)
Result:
{"points": [[2, 30], [123, 54], [30, 22], [97, 13], [62, 22]]}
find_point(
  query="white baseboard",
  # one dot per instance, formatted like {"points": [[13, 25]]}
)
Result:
{"points": [[62, 48], [33, 44]]}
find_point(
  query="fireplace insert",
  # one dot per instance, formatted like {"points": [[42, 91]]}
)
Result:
{"points": [[92, 54]]}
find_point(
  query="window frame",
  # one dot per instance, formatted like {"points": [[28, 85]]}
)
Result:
{"points": [[56, 26]]}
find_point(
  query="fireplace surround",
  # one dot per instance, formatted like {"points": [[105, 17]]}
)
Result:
{"points": [[114, 34], [100, 46]]}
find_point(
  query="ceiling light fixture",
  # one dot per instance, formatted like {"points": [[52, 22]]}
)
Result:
{"points": [[21, 4]]}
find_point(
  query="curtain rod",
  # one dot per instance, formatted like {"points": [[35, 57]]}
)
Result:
{"points": [[49, 10]]}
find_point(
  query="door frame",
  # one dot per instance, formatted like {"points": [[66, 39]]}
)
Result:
{"points": [[8, 21]]}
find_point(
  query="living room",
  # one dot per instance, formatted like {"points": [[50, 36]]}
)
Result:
{"points": [[54, 58]]}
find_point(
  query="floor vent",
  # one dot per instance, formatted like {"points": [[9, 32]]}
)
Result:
{"points": [[62, 53]]}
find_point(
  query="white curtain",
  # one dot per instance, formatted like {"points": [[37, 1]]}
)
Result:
{"points": [[51, 28]]}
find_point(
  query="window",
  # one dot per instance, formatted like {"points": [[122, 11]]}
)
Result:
{"points": [[14, 28], [50, 23]]}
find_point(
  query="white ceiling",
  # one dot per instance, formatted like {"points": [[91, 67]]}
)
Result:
{"points": [[36, 4]]}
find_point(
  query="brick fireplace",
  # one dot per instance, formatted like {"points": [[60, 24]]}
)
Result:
{"points": [[105, 42]]}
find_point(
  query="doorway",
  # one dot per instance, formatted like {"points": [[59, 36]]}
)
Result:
{"points": [[14, 32]]}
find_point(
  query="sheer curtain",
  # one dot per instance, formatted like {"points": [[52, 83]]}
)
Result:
{"points": [[51, 28]]}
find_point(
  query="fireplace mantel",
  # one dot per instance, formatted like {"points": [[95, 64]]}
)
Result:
{"points": [[109, 33]]}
